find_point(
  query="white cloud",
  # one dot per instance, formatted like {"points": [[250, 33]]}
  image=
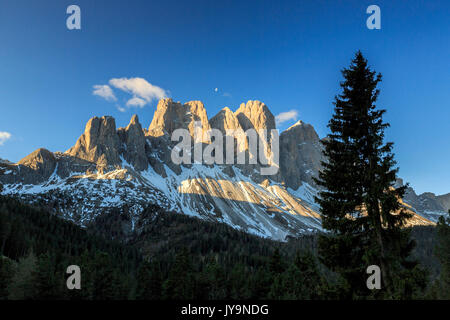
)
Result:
{"points": [[216, 89], [136, 102], [4, 136], [141, 89], [286, 116], [121, 109], [105, 92]]}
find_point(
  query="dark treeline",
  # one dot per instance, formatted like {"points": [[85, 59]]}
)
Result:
{"points": [[36, 247], [173, 256]]}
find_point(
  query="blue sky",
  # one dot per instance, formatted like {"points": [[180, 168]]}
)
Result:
{"points": [[287, 54]]}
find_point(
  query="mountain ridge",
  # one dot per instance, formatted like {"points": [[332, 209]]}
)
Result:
{"points": [[112, 167]]}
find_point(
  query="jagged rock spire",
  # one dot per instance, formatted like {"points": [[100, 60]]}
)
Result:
{"points": [[170, 115], [225, 120], [42, 164], [256, 115], [99, 143], [301, 154], [133, 140]]}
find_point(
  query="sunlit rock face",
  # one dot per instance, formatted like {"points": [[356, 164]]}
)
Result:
{"points": [[130, 167], [301, 155], [225, 120], [99, 143], [255, 115], [40, 164], [134, 146], [170, 115]]}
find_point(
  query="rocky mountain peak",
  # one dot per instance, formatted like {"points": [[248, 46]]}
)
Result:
{"points": [[99, 143], [133, 140], [302, 154], [119, 158], [134, 120], [427, 202], [225, 120], [36, 159], [42, 164], [99, 131], [134, 124], [197, 112], [170, 115], [302, 132], [298, 123], [256, 115]]}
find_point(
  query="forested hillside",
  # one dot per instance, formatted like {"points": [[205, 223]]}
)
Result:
{"points": [[168, 256]]}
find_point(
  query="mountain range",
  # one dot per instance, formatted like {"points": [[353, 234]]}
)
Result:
{"points": [[131, 167]]}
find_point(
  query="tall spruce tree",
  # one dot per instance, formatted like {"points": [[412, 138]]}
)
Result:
{"points": [[149, 281], [45, 281], [6, 275], [180, 284], [443, 254], [360, 204], [22, 283]]}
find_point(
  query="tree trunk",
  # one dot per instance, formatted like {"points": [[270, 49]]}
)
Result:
{"points": [[385, 272]]}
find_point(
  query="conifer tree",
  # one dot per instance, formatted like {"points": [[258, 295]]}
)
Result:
{"points": [[239, 287], [301, 281], [276, 266], [443, 254], [6, 274], [104, 284], [149, 281], [180, 284], [22, 284], [211, 282], [359, 203], [276, 269], [46, 285], [260, 283]]}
